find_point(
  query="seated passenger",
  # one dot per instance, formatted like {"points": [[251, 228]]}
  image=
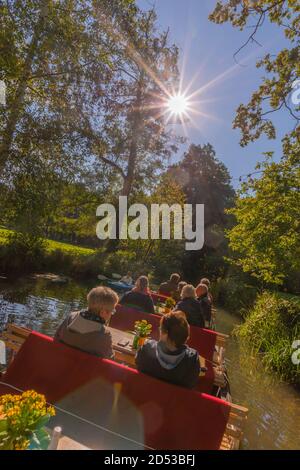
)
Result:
{"points": [[139, 297], [170, 359], [206, 281], [127, 279], [202, 296], [170, 287], [85, 329], [177, 293], [190, 306]]}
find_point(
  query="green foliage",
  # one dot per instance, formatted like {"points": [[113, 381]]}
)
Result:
{"points": [[266, 237], [142, 328], [22, 421], [270, 328], [22, 253], [235, 293], [204, 179], [253, 119]]}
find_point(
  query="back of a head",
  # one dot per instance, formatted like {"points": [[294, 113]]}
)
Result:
{"points": [[201, 289], [181, 285], [175, 325], [142, 283], [101, 298], [205, 281], [188, 291], [175, 278]]}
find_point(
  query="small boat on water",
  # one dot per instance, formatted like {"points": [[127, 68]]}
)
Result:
{"points": [[109, 405]]}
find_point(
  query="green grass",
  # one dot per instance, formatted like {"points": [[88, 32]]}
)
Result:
{"points": [[52, 245]]}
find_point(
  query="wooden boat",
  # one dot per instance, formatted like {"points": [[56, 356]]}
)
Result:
{"points": [[15, 336]]}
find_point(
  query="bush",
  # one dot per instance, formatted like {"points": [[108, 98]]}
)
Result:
{"points": [[23, 253], [270, 328], [234, 294], [122, 261]]}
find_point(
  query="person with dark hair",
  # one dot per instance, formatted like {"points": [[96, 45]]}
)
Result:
{"points": [[170, 287], [170, 359], [139, 297], [190, 306], [85, 329], [202, 297]]}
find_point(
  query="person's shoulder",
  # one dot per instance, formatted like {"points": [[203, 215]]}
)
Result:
{"points": [[146, 353], [149, 347], [106, 333], [126, 296], [71, 317], [191, 354]]}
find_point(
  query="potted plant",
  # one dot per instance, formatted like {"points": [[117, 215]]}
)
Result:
{"points": [[169, 304], [142, 330], [22, 421], [158, 306]]}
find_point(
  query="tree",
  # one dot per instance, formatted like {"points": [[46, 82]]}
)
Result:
{"points": [[55, 60], [283, 69], [137, 143], [266, 237], [205, 180]]}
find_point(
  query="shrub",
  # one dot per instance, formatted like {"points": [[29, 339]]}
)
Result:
{"points": [[270, 328], [23, 253], [234, 294]]}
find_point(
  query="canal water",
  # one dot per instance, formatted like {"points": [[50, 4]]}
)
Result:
{"points": [[274, 407]]}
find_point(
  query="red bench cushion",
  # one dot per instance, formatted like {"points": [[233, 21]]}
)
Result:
{"points": [[202, 340], [170, 417]]}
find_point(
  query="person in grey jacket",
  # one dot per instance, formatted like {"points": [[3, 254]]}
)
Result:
{"points": [[85, 329], [170, 359]]}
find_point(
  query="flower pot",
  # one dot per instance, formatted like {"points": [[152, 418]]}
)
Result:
{"points": [[138, 341], [141, 341]]}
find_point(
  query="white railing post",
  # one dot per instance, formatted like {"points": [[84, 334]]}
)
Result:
{"points": [[56, 435]]}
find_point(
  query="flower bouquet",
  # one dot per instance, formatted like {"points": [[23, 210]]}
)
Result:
{"points": [[169, 304], [142, 330], [22, 421]]}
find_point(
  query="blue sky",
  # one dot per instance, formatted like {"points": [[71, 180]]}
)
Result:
{"points": [[206, 52]]}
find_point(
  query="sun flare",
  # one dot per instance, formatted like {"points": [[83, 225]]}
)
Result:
{"points": [[178, 104]]}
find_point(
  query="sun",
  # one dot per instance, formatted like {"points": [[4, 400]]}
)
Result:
{"points": [[178, 104]]}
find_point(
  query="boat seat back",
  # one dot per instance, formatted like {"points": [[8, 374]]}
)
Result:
{"points": [[204, 341], [145, 410]]}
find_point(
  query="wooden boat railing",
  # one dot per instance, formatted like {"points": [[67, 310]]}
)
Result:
{"points": [[14, 336]]}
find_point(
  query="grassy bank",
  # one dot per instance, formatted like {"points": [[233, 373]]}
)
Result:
{"points": [[21, 254], [51, 245], [270, 328]]}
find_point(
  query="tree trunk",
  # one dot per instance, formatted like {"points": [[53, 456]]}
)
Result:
{"points": [[133, 151], [112, 245], [17, 104]]}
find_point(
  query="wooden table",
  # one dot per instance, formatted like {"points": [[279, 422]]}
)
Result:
{"points": [[126, 353], [123, 353]]}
